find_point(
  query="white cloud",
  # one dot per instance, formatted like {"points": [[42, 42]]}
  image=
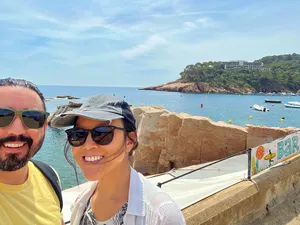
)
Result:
{"points": [[206, 22], [190, 24], [89, 23], [193, 13], [151, 43], [72, 37], [202, 20]]}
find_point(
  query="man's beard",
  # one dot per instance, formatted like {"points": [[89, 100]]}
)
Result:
{"points": [[12, 162]]}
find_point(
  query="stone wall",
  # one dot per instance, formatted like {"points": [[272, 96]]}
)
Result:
{"points": [[260, 135], [270, 197], [168, 140]]}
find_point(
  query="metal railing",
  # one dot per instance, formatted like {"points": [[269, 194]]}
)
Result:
{"points": [[248, 151]]}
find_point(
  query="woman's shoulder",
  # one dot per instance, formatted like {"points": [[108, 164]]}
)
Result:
{"points": [[86, 190], [154, 194], [160, 205]]}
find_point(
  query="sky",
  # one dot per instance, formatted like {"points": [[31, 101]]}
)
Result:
{"points": [[137, 43]]}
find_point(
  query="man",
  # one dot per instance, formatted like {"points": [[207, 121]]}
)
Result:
{"points": [[29, 190]]}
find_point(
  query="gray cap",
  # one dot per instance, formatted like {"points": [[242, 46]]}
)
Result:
{"points": [[99, 107]]}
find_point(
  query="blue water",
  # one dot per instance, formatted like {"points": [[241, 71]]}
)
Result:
{"points": [[217, 107]]}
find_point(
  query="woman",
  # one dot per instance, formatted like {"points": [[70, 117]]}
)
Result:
{"points": [[103, 137]]}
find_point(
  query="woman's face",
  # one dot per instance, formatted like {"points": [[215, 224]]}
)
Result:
{"points": [[97, 161]]}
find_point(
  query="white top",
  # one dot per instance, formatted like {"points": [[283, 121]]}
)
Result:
{"points": [[147, 204]]}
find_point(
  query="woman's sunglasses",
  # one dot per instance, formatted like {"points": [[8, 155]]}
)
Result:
{"points": [[32, 119], [102, 135]]}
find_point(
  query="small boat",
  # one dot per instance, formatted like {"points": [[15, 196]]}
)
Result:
{"points": [[260, 108], [272, 101], [292, 106], [294, 103]]}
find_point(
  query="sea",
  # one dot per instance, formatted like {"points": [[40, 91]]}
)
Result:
{"points": [[218, 107]]}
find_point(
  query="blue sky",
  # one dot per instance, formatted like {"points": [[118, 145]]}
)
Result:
{"points": [[137, 43]]}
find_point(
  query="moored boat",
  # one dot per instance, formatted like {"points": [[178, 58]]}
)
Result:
{"points": [[292, 106], [260, 108], [294, 103], [272, 101]]}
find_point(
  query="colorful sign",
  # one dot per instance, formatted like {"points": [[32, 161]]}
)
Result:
{"points": [[269, 154]]}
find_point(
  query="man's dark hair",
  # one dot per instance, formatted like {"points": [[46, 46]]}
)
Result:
{"points": [[12, 82]]}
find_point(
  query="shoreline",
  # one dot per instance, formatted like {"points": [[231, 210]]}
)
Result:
{"points": [[207, 88], [220, 93]]}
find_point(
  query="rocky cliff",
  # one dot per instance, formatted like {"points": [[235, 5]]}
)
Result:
{"points": [[201, 87]]}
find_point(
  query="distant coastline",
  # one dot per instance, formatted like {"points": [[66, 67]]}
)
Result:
{"points": [[193, 87], [270, 74], [202, 88]]}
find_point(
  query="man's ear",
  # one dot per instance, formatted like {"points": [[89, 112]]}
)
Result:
{"points": [[46, 125]]}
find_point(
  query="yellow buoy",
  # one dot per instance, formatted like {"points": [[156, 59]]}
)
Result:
{"points": [[250, 117], [281, 120], [230, 121]]}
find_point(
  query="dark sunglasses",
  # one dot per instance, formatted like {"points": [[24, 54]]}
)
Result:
{"points": [[102, 135], [32, 119]]}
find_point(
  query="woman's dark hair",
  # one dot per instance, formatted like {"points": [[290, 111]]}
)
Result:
{"points": [[70, 159], [129, 129]]}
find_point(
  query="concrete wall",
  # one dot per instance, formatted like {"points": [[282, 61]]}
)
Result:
{"points": [[169, 140], [271, 197], [257, 135]]}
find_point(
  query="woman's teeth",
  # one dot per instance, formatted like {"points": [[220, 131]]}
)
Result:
{"points": [[92, 158]]}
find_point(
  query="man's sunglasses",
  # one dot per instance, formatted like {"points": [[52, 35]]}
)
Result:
{"points": [[32, 119], [102, 135]]}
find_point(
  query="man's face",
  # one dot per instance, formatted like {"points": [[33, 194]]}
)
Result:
{"points": [[17, 142]]}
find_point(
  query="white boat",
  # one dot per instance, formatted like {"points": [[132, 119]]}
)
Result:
{"points": [[294, 103], [260, 108], [292, 106]]}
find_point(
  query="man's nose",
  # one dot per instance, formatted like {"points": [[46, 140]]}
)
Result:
{"points": [[17, 126]]}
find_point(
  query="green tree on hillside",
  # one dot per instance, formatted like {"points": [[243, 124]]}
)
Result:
{"points": [[284, 74]]}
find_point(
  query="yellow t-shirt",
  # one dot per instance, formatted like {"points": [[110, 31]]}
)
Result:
{"points": [[32, 203]]}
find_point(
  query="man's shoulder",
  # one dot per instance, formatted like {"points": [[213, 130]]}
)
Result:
{"points": [[50, 174], [42, 166]]}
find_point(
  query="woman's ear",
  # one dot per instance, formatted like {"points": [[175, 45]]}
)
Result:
{"points": [[131, 140]]}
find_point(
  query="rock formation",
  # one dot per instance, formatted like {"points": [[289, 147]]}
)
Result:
{"points": [[201, 87], [64, 108], [168, 140], [67, 97]]}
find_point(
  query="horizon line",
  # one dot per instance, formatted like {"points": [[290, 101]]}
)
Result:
{"points": [[62, 85]]}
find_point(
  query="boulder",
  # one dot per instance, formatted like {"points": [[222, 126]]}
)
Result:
{"points": [[67, 97]]}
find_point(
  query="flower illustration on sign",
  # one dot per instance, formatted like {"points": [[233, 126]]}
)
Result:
{"points": [[260, 152]]}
